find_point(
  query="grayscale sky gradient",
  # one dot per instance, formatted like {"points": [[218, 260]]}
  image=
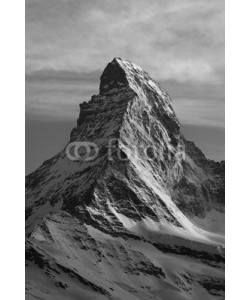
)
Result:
{"points": [[69, 43]]}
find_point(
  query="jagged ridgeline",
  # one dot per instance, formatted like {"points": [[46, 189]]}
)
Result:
{"points": [[141, 219]]}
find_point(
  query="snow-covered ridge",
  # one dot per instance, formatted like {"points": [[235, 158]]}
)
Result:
{"points": [[121, 72]]}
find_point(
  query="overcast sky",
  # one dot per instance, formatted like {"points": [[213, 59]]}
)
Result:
{"points": [[180, 43]]}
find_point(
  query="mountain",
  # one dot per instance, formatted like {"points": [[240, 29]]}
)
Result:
{"points": [[137, 213]]}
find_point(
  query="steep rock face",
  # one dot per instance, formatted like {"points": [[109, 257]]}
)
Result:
{"points": [[141, 192]]}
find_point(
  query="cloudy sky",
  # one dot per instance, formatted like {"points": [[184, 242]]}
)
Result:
{"points": [[180, 43]]}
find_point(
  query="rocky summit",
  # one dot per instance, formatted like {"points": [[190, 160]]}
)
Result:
{"points": [[129, 209]]}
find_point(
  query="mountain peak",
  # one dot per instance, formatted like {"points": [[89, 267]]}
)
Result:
{"points": [[111, 212], [113, 76], [120, 73], [123, 83]]}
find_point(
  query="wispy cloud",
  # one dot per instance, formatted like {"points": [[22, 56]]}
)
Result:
{"points": [[170, 39], [57, 94], [179, 42]]}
